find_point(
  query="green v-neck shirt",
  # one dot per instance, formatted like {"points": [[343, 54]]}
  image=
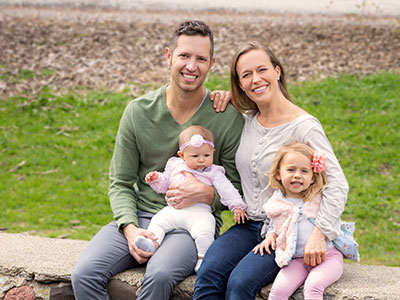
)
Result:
{"points": [[148, 136]]}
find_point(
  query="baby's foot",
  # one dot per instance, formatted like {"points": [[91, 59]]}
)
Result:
{"points": [[145, 244], [198, 264]]}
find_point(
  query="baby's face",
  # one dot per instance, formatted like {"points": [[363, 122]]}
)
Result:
{"points": [[198, 157]]}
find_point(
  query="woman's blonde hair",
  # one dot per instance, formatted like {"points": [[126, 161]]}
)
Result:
{"points": [[240, 99], [319, 179]]}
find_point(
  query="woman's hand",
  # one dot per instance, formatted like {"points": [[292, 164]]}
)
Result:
{"points": [[189, 192], [315, 248], [221, 99], [270, 240], [239, 216]]}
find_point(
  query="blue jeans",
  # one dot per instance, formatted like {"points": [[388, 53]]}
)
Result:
{"points": [[230, 269]]}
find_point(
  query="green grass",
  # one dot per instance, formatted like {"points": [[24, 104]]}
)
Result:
{"points": [[66, 143], [22, 75]]}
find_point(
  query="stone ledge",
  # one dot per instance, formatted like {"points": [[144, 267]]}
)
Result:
{"points": [[46, 264]]}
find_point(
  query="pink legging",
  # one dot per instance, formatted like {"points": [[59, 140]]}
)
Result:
{"points": [[316, 279]]}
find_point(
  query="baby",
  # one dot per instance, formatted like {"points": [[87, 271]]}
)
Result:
{"points": [[196, 149]]}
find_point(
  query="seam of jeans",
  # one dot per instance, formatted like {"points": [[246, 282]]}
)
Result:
{"points": [[258, 281]]}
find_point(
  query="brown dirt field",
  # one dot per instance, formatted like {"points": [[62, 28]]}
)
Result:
{"points": [[111, 49]]}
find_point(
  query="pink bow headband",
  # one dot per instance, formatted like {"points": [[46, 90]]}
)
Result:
{"points": [[196, 141], [318, 162]]}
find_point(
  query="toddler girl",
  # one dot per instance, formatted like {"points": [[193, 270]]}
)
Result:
{"points": [[297, 174], [196, 149]]}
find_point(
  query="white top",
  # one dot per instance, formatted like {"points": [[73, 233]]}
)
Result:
{"points": [[256, 152], [304, 230]]}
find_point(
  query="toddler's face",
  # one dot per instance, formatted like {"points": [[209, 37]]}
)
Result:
{"points": [[198, 157], [295, 173]]}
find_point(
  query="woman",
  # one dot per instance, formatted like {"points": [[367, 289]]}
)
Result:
{"points": [[230, 269]]}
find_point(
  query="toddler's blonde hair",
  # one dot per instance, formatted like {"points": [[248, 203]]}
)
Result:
{"points": [[316, 187]]}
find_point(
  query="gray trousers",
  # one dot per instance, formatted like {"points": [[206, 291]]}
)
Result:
{"points": [[108, 254]]}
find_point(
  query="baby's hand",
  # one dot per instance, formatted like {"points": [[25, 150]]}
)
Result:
{"points": [[152, 176], [239, 215], [270, 240]]}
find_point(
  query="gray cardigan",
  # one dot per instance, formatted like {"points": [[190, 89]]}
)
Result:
{"points": [[256, 152]]}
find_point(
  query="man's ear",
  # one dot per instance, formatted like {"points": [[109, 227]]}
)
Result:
{"points": [[168, 56], [212, 63], [181, 155]]}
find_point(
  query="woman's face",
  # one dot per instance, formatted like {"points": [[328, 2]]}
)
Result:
{"points": [[258, 78]]}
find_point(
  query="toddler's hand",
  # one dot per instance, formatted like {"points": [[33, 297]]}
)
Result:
{"points": [[270, 240], [239, 215], [152, 176]]}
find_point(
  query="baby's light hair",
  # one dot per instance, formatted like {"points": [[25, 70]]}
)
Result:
{"points": [[190, 131], [297, 147]]}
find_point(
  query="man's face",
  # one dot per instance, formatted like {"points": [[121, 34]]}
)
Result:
{"points": [[190, 62]]}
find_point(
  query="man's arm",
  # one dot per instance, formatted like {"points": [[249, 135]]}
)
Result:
{"points": [[124, 173]]}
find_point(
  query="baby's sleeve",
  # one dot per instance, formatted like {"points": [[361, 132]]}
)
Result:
{"points": [[229, 195], [161, 185]]}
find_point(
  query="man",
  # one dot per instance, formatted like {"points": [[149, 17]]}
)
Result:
{"points": [[147, 137]]}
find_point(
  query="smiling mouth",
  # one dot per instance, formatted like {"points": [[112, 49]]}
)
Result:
{"points": [[260, 89], [189, 77], [296, 184]]}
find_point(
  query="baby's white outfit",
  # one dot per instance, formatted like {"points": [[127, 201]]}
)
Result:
{"points": [[197, 219]]}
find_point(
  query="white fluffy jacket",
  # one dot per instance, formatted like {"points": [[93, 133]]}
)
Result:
{"points": [[284, 215]]}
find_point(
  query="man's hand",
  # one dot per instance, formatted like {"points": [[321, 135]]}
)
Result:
{"points": [[315, 249], [270, 240], [189, 192], [221, 99], [131, 232]]}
